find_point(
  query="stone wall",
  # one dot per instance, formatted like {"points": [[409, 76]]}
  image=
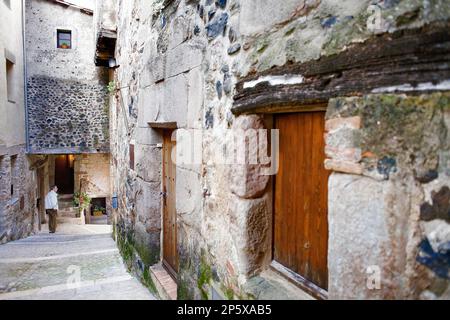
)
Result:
{"points": [[18, 218], [67, 94], [92, 174], [67, 116], [105, 15], [18, 213], [390, 155], [179, 62], [12, 121]]}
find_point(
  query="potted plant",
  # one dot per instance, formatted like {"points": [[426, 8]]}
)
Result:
{"points": [[99, 211], [82, 201]]}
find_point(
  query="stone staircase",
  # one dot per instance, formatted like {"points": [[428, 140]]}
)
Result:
{"points": [[67, 212]]}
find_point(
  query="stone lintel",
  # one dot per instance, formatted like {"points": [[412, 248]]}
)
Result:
{"points": [[163, 125]]}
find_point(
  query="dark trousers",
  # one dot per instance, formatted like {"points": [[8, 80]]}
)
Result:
{"points": [[52, 220]]}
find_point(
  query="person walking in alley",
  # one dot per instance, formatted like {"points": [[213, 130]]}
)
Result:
{"points": [[51, 208]]}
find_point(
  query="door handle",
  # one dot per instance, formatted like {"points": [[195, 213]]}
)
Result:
{"points": [[163, 194]]}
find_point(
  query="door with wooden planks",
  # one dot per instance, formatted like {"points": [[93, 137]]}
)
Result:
{"points": [[170, 254], [300, 199]]}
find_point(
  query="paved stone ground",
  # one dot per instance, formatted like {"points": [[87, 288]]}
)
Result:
{"points": [[78, 262]]}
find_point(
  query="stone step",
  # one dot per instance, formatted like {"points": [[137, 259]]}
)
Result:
{"points": [[164, 283], [67, 208], [77, 221], [68, 214], [72, 208], [63, 205], [65, 196]]}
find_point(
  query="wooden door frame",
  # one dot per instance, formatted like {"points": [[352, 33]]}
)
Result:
{"points": [[293, 277], [172, 272]]}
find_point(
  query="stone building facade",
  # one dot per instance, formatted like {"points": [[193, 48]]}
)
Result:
{"points": [[67, 94], [18, 216], [68, 101], [209, 67]]}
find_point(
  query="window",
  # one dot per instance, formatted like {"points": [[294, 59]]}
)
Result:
{"points": [[13, 175], [132, 156], [4, 177], [10, 80], [64, 39]]}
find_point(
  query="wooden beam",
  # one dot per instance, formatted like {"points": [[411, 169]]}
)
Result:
{"points": [[407, 58], [106, 47]]}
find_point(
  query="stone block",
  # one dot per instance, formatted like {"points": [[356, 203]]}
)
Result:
{"points": [[247, 179], [342, 138], [195, 99], [250, 227], [151, 100], [217, 25], [259, 15], [147, 244], [189, 150], [358, 236], [183, 58], [148, 203], [164, 102], [344, 166], [175, 101], [180, 31], [189, 196], [343, 154], [148, 162], [339, 123], [154, 70], [148, 136]]}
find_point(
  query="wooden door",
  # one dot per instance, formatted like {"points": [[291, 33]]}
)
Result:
{"points": [[170, 254], [64, 174], [300, 199]]}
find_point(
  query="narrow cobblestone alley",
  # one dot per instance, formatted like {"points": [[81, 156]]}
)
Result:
{"points": [[77, 263]]}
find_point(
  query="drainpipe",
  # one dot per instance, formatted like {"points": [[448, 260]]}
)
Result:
{"points": [[25, 76]]}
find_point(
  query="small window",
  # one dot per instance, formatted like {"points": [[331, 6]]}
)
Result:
{"points": [[14, 172], [10, 80], [132, 156], [64, 39]]}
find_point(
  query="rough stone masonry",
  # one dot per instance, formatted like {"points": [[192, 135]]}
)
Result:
{"points": [[208, 65], [67, 95]]}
